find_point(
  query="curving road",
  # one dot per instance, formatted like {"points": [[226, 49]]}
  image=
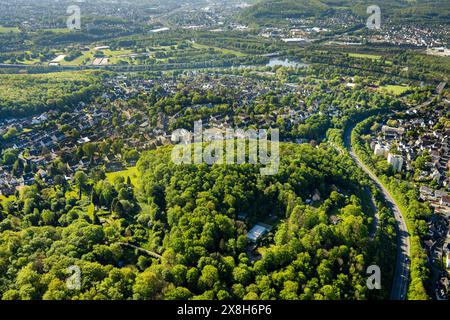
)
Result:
{"points": [[401, 277]]}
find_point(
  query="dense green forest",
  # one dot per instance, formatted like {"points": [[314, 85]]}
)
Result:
{"points": [[275, 11], [93, 185], [22, 95], [183, 219]]}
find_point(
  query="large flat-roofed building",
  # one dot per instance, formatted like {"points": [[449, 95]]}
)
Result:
{"points": [[258, 231], [396, 161], [390, 131]]}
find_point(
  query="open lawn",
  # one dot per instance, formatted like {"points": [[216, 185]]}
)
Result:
{"points": [[224, 51], [131, 172], [31, 60], [89, 56], [394, 89], [8, 29], [79, 61], [57, 30], [112, 53], [365, 56]]}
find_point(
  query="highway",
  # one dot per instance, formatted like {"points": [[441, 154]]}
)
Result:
{"points": [[401, 277]]}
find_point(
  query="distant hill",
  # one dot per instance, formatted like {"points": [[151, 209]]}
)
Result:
{"points": [[277, 11]]}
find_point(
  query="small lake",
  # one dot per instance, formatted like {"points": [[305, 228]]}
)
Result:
{"points": [[274, 62]]}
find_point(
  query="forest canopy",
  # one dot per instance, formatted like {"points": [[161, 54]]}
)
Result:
{"points": [[22, 95], [177, 235]]}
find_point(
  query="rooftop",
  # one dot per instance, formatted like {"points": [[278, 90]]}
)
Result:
{"points": [[258, 231]]}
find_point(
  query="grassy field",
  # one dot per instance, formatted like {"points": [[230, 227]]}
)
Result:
{"points": [[365, 56], [394, 89], [224, 51], [116, 55], [28, 61], [81, 60], [56, 30], [131, 172], [88, 57], [112, 53], [8, 29]]}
